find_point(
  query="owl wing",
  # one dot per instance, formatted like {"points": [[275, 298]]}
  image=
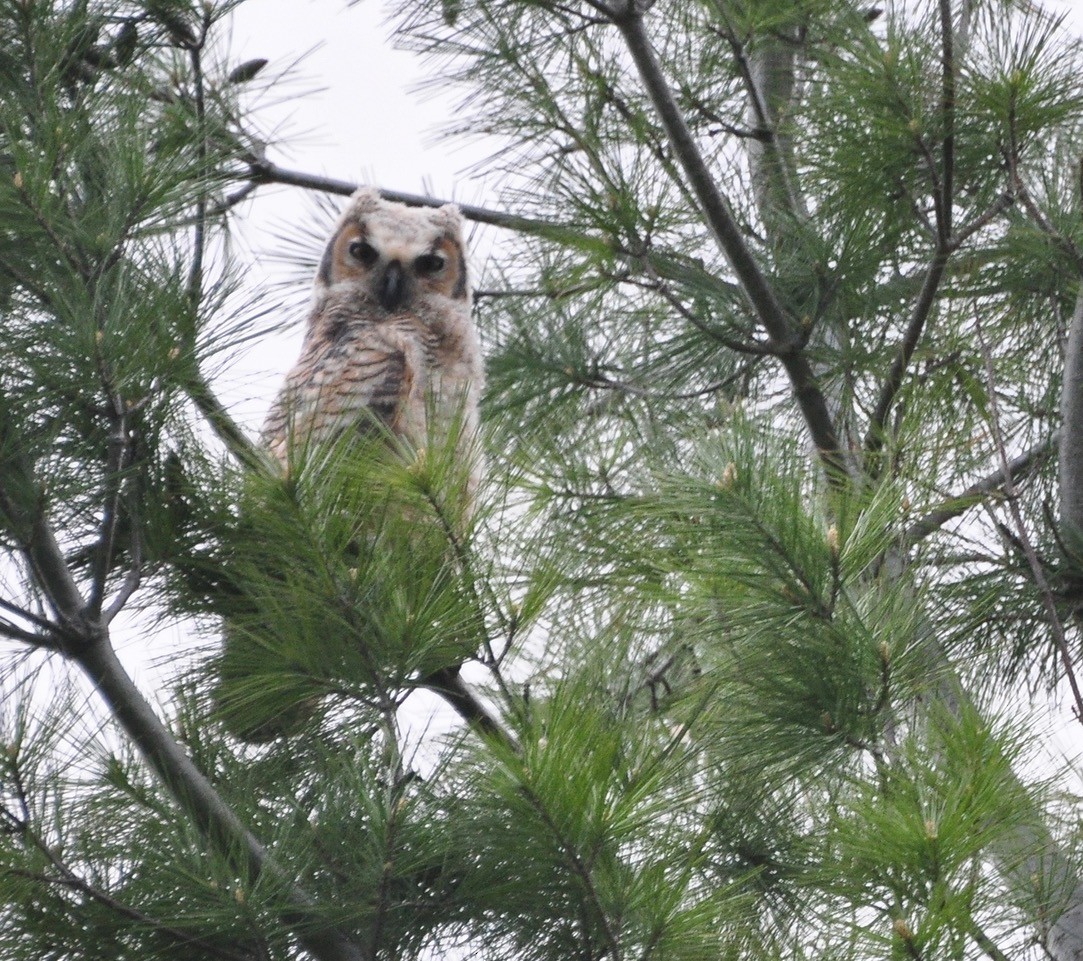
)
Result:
{"points": [[325, 397]]}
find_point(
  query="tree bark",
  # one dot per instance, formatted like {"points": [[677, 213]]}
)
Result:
{"points": [[1070, 466]]}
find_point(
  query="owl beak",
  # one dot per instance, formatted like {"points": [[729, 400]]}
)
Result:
{"points": [[391, 290]]}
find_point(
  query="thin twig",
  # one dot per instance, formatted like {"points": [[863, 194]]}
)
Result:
{"points": [[919, 316], [785, 335], [134, 577], [1017, 469], [947, 109], [1036, 568], [15, 633], [983, 941], [234, 198], [195, 272], [117, 449], [738, 346], [1002, 203]]}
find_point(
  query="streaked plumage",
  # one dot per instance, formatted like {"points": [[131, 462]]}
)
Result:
{"points": [[390, 341], [390, 335]]}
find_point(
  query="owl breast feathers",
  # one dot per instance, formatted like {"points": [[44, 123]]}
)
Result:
{"points": [[390, 339]]}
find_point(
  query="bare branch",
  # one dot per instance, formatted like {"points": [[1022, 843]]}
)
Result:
{"points": [[1036, 569], [448, 683], [780, 328], [264, 171], [715, 207], [987, 944], [44, 626], [919, 316], [1017, 470], [1070, 465]]}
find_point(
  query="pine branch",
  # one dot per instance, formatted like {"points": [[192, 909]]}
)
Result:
{"points": [[715, 207], [202, 803], [579, 868], [1017, 470], [224, 426], [85, 640], [780, 328], [21, 504], [919, 317], [948, 69], [1037, 570], [199, 239], [69, 879]]}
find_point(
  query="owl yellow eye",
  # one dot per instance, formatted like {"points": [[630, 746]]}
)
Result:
{"points": [[428, 264], [363, 251]]}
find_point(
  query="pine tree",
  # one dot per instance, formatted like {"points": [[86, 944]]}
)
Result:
{"points": [[773, 590]]}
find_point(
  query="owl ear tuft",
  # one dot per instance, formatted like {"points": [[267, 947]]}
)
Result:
{"points": [[450, 217], [363, 200]]}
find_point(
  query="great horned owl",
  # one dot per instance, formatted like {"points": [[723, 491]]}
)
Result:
{"points": [[390, 341], [390, 334]]}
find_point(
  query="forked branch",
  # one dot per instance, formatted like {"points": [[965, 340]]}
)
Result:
{"points": [[80, 633], [785, 336]]}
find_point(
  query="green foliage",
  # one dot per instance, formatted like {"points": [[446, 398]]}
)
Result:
{"points": [[346, 577], [725, 706]]}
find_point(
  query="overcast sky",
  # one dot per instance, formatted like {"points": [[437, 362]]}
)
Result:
{"points": [[369, 122], [354, 112]]}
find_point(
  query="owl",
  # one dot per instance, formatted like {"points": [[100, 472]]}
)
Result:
{"points": [[390, 336], [390, 350]]}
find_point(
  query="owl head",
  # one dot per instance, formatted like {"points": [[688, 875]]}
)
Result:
{"points": [[395, 254]]}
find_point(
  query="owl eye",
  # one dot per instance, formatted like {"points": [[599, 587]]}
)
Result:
{"points": [[428, 264], [363, 251]]}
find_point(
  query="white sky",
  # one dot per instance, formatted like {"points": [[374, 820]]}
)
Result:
{"points": [[354, 112], [368, 122]]}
